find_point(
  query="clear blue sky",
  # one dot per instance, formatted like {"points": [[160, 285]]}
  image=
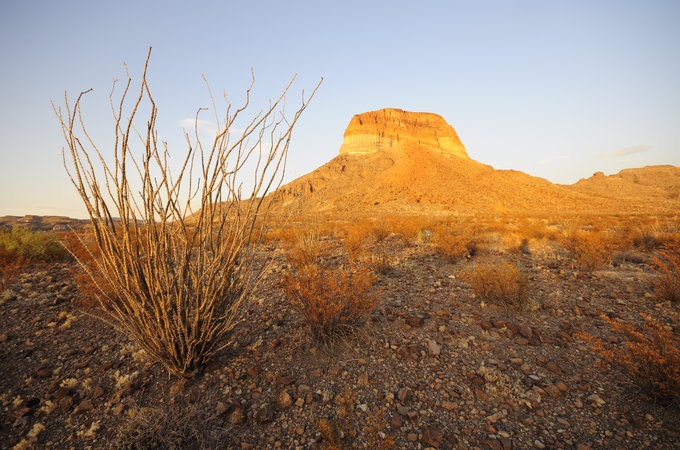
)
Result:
{"points": [[556, 89]]}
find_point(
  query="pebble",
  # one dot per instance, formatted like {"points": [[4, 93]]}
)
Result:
{"points": [[432, 436], [84, 406], [284, 400], [236, 417], [434, 348]]}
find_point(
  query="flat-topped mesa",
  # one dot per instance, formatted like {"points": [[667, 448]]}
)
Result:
{"points": [[389, 128]]}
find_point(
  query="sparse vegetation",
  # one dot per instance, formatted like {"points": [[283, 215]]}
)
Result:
{"points": [[499, 282], [332, 302], [650, 355], [179, 255], [667, 284]]}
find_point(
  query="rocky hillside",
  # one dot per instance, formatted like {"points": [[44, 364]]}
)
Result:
{"points": [[660, 183]]}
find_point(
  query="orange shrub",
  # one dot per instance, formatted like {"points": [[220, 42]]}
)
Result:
{"points": [[453, 245], [11, 266], [331, 301], [499, 282], [667, 284], [592, 250], [651, 356]]}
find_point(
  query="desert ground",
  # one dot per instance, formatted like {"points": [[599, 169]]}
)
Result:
{"points": [[439, 362]]}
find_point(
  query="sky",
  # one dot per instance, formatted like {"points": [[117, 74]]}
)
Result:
{"points": [[556, 89]]}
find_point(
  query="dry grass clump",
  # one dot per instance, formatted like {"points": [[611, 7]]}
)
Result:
{"points": [[174, 255], [20, 246], [167, 428], [332, 302], [499, 282], [306, 247], [650, 355], [592, 250], [453, 244], [667, 284]]}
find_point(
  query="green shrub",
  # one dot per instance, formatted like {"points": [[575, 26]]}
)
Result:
{"points": [[31, 245]]}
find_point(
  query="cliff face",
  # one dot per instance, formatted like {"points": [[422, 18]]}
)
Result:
{"points": [[389, 128]]}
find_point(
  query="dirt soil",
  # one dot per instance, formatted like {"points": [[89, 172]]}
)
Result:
{"points": [[434, 368]]}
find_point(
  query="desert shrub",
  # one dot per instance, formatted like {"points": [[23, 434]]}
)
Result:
{"points": [[306, 246], [11, 266], [667, 284], [31, 245], [332, 302], [453, 245], [650, 355], [176, 248], [179, 427], [592, 250], [499, 282]]}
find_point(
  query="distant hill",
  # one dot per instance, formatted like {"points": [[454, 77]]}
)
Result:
{"points": [[658, 184]]}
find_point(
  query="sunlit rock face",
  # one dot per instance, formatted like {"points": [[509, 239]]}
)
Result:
{"points": [[388, 129]]}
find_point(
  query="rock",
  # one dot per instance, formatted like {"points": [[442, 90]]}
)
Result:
{"points": [[84, 406], [412, 437], [265, 414], [221, 408], [521, 341], [562, 386], [596, 400], [284, 400], [97, 392], [236, 417], [526, 331], [43, 372], [480, 394], [414, 321], [4, 337], [506, 443], [396, 421], [433, 347], [388, 129], [449, 406], [404, 395], [539, 444], [432, 436], [285, 380], [516, 361]]}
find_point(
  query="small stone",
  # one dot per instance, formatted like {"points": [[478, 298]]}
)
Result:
{"points": [[84, 406], [97, 392], [432, 436], [236, 417], [480, 394], [595, 400], [506, 443], [562, 421], [516, 361], [284, 400], [415, 321], [303, 389], [449, 406], [221, 408], [404, 395], [526, 331], [43, 372], [4, 337], [552, 390], [521, 341], [362, 379], [412, 437], [578, 403], [539, 444], [434, 348], [396, 421], [265, 414], [285, 380], [562, 386]]}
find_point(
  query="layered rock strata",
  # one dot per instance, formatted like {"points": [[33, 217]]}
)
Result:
{"points": [[390, 128]]}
